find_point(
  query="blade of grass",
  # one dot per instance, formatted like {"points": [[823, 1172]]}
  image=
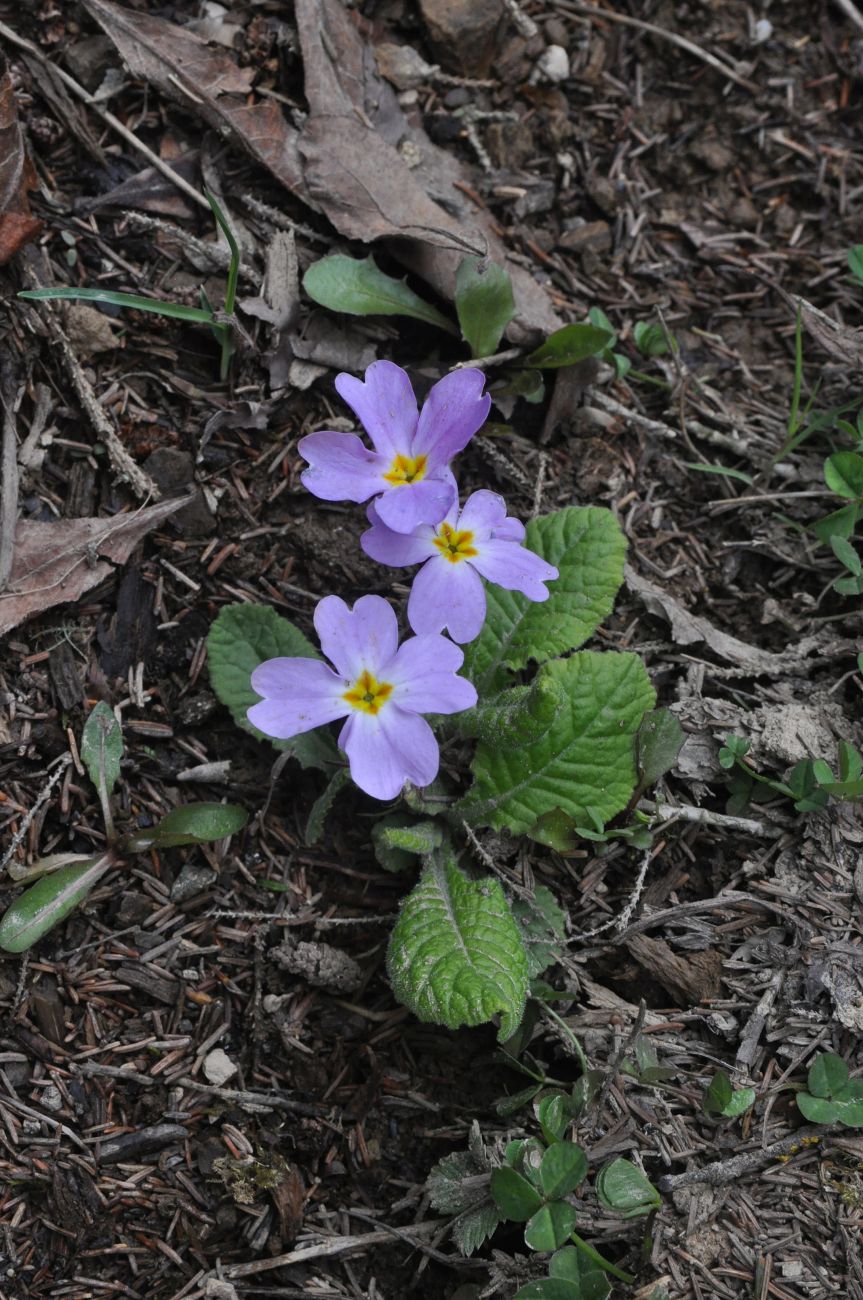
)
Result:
{"points": [[156, 305], [231, 289]]}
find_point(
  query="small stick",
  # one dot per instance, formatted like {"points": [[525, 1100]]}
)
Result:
{"points": [[728, 1171], [851, 11], [706, 817], [8, 493], [22, 830]]}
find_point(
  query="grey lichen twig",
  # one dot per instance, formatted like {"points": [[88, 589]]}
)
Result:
{"points": [[44, 793], [8, 492], [728, 1171]]}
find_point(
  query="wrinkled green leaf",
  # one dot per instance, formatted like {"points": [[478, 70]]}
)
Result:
{"points": [[194, 823], [563, 1168], [587, 546], [320, 808], [358, 287], [551, 1226], [102, 746], [650, 338], [542, 923], [513, 1195], [586, 759], [621, 1186], [47, 903], [658, 743], [455, 955], [242, 637], [843, 474], [568, 345], [484, 304]]}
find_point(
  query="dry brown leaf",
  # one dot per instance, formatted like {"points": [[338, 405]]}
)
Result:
{"points": [[17, 175], [364, 183], [55, 563], [206, 82]]}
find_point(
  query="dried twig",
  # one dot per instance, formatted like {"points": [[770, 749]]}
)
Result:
{"points": [[729, 1171], [8, 491]]}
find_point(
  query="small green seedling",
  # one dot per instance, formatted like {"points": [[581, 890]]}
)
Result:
{"points": [[832, 1096], [63, 880], [220, 323], [723, 1099], [534, 1184], [810, 785]]}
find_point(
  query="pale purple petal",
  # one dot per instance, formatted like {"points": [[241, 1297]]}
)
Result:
{"points": [[385, 404], [484, 512], [300, 694], [396, 549], [366, 636], [389, 748], [511, 530], [453, 411], [448, 596], [405, 507], [424, 675], [514, 567], [341, 468]]}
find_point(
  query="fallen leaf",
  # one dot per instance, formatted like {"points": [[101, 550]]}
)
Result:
{"points": [[206, 82], [56, 563], [17, 175], [364, 184]]}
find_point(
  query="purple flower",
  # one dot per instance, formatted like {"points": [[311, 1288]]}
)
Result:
{"points": [[379, 687], [408, 471], [480, 542]]}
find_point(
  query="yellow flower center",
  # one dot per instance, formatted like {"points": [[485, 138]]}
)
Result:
{"points": [[406, 469], [453, 545], [367, 694]]}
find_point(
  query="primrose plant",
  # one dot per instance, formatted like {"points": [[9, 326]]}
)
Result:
{"points": [[63, 880], [549, 733]]}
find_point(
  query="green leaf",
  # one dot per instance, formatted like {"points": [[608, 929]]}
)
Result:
{"points": [[194, 823], [551, 1226], [818, 1110], [474, 1227], [843, 474], [550, 1288], [850, 762], [841, 523], [722, 470], [553, 1115], [102, 746], [587, 546], [846, 555], [47, 903], [513, 1195], [623, 1187], [455, 955], [571, 1265], [828, 1075], [484, 304], [320, 808], [568, 345], [650, 338], [399, 839], [848, 586], [563, 1168], [855, 262], [358, 287], [742, 1099], [543, 926], [722, 1098], [586, 760], [658, 743], [597, 317], [512, 1104], [242, 637], [174, 309]]}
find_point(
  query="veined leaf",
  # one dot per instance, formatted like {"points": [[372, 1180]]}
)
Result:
{"points": [[843, 474], [484, 304], [589, 549], [455, 955], [358, 286], [47, 903], [193, 823], [568, 345], [102, 746], [242, 637], [584, 764]]}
